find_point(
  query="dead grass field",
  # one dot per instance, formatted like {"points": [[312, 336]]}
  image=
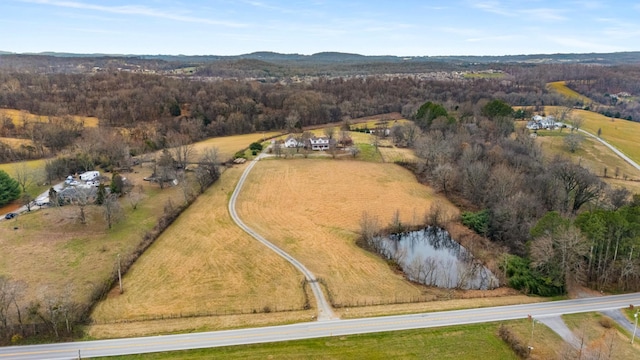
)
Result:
{"points": [[229, 145], [561, 88], [15, 143], [19, 116], [312, 209], [610, 343], [592, 154], [622, 134], [205, 265]]}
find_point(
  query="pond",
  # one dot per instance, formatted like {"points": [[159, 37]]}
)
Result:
{"points": [[431, 257]]}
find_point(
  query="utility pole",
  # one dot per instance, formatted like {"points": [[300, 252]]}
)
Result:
{"points": [[635, 327], [119, 275]]}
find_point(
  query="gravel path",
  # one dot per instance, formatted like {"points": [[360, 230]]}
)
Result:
{"points": [[556, 324], [324, 309]]}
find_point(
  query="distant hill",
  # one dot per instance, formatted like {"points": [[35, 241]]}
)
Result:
{"points": [[632, 57]]}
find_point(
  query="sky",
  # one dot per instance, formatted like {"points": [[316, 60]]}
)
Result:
{"points": [[373, 27]]}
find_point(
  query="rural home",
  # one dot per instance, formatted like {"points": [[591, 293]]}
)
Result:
{"points": [[318, 143], [291, 142], [543, 122]]}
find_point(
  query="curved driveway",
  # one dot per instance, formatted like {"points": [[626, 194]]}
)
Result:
{"points": [[618, 152], [324, 309]]}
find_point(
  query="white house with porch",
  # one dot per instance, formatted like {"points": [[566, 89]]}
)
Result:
{"points": [[319, 143]]}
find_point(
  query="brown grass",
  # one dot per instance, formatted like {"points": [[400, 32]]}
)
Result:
{"points": [[204, 264], [622, 134], [561, 88], [312, 209], [592, 155], [229, 145], [20, 116], [610, 343]]}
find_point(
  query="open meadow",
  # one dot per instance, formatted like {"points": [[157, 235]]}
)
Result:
{"points": [[312, 208], [592, 155], [622, 134], [203, 264], [561, 88], [20, 117]]}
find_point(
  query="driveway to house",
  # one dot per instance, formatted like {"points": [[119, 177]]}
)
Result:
{"points": [[324, 309], [44, 197], [618, 152]]}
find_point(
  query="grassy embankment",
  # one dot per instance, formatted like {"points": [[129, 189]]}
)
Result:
{"points": [[459, 342]]}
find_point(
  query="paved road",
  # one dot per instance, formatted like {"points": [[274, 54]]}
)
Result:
{"points": [[324, 309], [314, 329]]}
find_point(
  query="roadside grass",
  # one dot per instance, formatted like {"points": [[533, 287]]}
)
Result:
{"points": [[203, 264], [545, 342], [622, 134], [457, 342], [608, 343], [561, 88], [20, 116], [312, 210]]}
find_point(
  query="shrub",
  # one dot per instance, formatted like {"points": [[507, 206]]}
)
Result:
{"points": [[513, 341], [478, 221]]}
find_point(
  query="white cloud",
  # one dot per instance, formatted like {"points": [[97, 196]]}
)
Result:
{"points": [[544, 14], [135, 10], [493, 7]]}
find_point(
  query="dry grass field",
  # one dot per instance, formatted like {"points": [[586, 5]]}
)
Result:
{"points": [[561, 88], [15, 143], [601, 337], [622, 134], [592, 154], [229, 145], [20, 116], [205, 265], [312, 209]]}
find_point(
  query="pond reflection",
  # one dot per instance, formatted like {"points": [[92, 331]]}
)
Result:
{"points": [[431, 257]]}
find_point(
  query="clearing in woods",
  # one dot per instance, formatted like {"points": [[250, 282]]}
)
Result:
{"points": [[312, 210], [561, 88], [20, 117]]}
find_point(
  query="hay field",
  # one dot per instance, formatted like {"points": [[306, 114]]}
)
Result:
{"points": [[622, 134], [393, 154], [561, 88], [312, 209], [229, 145], [592, 154], [19, 116], [203, 264]]}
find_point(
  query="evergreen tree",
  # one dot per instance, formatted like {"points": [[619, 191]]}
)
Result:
{"points": [[9, 188]]}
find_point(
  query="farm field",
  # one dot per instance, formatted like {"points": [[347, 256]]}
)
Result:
{"points": [[228, 145], [561, 88], [203, 264], [19, 117], [622, 134], [592, 155], [312, 209], [457, 342]]}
